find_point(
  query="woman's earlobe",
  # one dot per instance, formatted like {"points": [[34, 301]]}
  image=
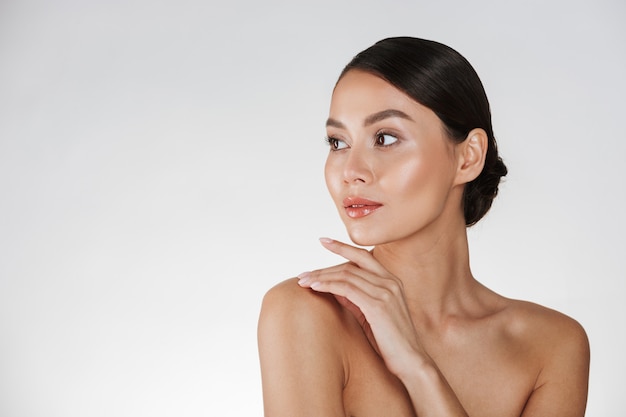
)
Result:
{"points": [[472, 155]]}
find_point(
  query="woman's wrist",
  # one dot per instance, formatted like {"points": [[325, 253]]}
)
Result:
{"points": [[428, 388], [420, 370]]}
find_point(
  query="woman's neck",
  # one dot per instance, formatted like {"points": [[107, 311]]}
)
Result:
{"points": [[434, 269]]}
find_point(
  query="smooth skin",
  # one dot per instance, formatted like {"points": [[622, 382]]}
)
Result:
{"points": [[405, 329]]}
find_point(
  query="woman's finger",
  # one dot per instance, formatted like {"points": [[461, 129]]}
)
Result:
{"points": [[363, 258], [347, 274], [375, 297], [348, 269]]}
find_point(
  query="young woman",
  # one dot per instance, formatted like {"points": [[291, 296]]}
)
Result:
{"points": [[405, 329]]}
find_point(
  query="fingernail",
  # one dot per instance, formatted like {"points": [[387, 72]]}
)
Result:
{"points": [[303, 278], [326, 240]]}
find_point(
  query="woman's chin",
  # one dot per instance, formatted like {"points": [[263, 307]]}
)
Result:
{"points": [[363, 239]]}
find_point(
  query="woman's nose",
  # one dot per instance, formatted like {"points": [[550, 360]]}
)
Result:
{"points": [[357, 167]]}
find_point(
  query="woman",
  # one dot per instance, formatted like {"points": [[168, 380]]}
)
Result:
{"points": [[405, 329]]}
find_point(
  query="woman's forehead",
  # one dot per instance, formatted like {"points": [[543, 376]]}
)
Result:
{"points": [[365, 94]]}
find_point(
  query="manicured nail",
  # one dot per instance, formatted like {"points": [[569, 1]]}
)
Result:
{"points": [[326, 240], [303, 278]]}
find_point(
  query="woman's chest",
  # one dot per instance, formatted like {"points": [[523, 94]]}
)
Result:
{"points": [[489, 378]]}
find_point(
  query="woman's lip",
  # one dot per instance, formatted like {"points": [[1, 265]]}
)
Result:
{"points": [[357, 207], [358, 201]]}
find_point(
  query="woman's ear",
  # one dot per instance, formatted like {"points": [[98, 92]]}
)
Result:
{"points": [[471, 156]]}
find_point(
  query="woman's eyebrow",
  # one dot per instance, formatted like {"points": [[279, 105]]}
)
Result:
{"points": [[385, 114], [334, 123], [372, 118]]}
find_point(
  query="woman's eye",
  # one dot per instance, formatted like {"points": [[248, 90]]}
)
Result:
{"points": [[336, 144], [384, 139]]}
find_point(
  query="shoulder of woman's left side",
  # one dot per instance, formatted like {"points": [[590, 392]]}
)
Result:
{"points": [[544, 327], [554, 346]]}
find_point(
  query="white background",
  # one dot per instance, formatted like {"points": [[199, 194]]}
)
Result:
{"points": [[161, 168]]}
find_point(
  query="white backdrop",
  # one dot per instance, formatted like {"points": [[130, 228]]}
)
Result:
{"points": [[161, 168]]}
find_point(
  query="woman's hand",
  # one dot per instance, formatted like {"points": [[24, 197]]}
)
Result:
{"points": [[376, 299]]}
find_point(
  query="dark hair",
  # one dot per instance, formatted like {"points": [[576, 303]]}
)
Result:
{"points": [[439, 78]]}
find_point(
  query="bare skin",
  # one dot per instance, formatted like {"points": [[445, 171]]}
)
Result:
{"points": [[406, 330]]}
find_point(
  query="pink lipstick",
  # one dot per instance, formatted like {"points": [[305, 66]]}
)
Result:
{"points": [[357, 207]]}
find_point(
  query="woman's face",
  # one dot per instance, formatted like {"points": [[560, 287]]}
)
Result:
{"points": [[391, 168]]}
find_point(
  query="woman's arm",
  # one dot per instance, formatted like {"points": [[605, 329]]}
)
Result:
{"points": [[301, 364], [561, 387]]}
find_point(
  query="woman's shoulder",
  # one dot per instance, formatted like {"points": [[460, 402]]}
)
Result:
{"points": [[525, 317], [292, 303], [297, 315], [553, 349], [298, 346], [546, 332]]}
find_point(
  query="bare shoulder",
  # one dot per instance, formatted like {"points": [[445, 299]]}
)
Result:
{"points": [[558, 347], [288, 304], [289, 292], [545, 328], [299, 347]]}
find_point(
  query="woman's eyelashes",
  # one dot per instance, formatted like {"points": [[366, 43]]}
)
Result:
{"points": [[336, 144], [385, 139], [380, 139]]}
